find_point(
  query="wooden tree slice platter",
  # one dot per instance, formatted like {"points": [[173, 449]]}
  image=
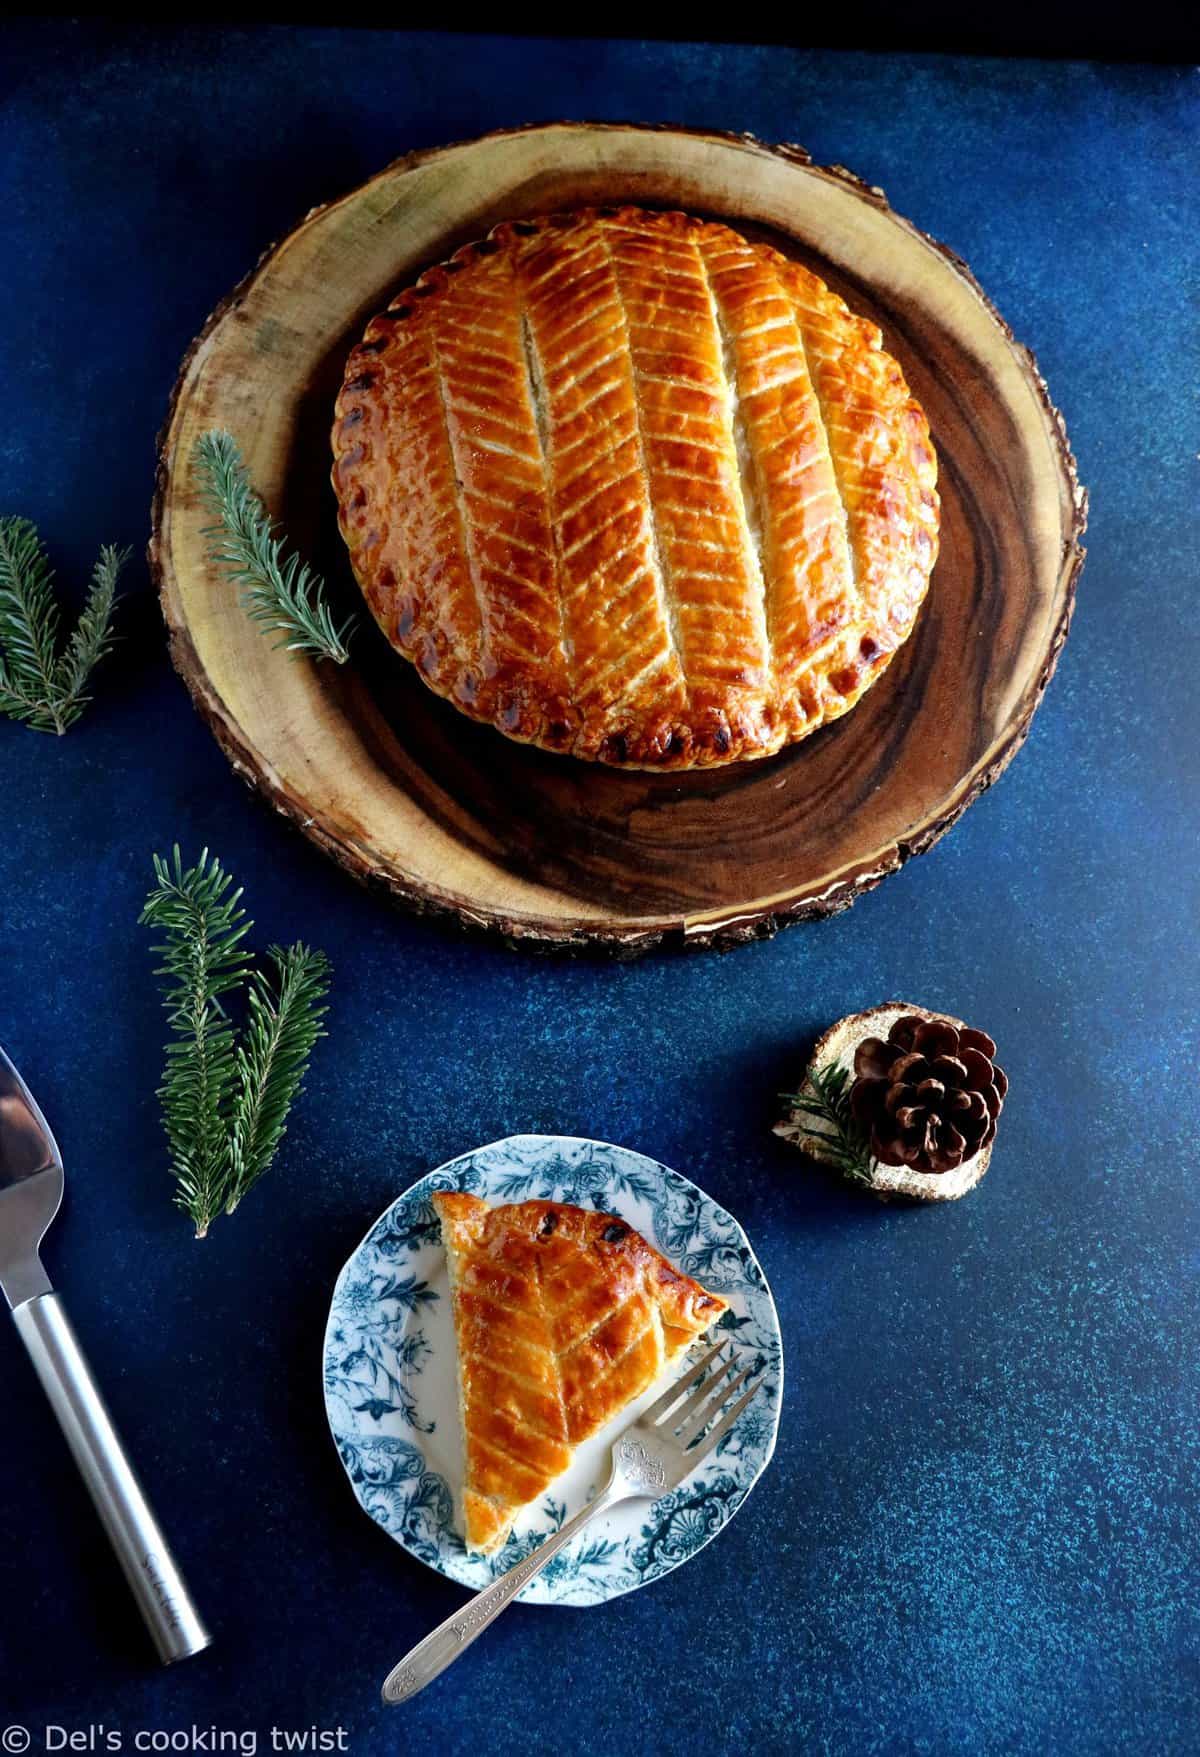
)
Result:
{"points": [[453, 818]]}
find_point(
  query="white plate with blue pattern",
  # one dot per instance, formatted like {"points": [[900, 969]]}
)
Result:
{"points": [[390, 1383]]}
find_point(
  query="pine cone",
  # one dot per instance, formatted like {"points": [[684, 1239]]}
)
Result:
{"points": [[928, 1097]]}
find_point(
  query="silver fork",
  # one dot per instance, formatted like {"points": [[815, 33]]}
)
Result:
{"points": [[653, 1456]]}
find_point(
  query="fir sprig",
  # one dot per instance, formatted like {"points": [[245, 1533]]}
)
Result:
{"points": [[225, 1100], [40, 685], [203, 958], [277, 588], [826, 1099], [283, 1023], [28, 624]]}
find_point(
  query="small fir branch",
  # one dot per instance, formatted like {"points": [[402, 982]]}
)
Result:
{"points": [[203, 958], [92, 637], [843, 1138], [39, 685], [277, 589], [28, 624], [283, 1023], [226, 1097]]}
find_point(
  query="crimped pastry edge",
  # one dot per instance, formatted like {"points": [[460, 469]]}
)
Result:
{"points": [[459, 1391]]}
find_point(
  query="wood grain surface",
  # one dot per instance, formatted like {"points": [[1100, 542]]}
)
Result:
{"points": [[453, 818]]}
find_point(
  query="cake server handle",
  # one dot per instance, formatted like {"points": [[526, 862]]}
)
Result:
{"points": [[132, 1529]]}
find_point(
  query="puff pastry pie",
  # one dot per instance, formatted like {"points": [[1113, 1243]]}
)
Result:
{"points": [[562, 1317], [627, 485]]}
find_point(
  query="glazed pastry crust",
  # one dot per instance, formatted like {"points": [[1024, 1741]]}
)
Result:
{"points": [[562, 1318], [626, 485]]}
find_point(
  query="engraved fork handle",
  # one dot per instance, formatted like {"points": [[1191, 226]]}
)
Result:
{"points": [[429, 1658]]}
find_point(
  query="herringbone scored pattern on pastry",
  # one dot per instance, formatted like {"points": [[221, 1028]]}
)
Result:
{"points": [[626, 485], [562, 1317]]}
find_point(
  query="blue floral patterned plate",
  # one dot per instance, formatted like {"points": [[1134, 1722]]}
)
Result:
{"points": [[390, 1386]]}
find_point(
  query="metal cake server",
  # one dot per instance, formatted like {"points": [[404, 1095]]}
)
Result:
{"points": [[31, 1189]]}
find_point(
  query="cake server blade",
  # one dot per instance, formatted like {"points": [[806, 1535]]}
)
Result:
{"points": [[31, 1189]]}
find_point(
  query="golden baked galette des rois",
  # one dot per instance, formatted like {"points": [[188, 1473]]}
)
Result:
{"points": [[562, 1318], [629, 486]]}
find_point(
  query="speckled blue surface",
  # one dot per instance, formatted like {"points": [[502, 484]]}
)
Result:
{"points": [[980, 1531]]}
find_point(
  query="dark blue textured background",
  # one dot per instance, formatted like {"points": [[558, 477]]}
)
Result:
{"points": [[980, 1530]]}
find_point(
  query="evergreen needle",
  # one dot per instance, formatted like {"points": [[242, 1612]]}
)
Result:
{"points": [[226, 1096], [39, 685], [277, 589], [92, 635], [842, 1137], [282, 1025], [203, 958]]}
